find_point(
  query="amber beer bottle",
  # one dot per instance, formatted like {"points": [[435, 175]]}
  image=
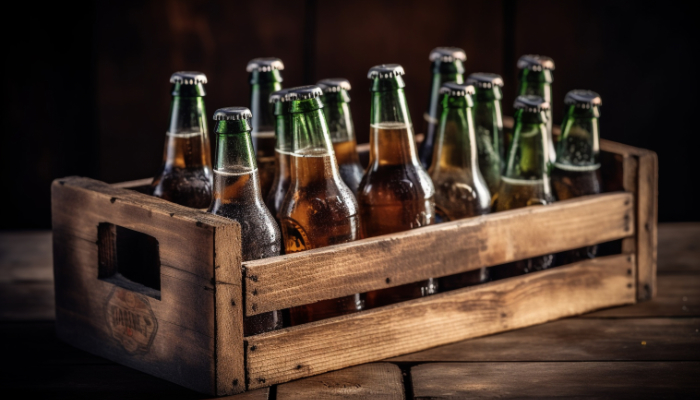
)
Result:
{"points": [[396, 194], [536, 78], [488, 124], [336, 107], [460, 190], [237, 196], [265, 78], [525, 181], [319, 210], [283, 150], [447, 65], [577, 169], [185, 176]]}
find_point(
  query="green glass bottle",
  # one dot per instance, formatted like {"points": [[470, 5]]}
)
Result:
{"points": [[319, 210], [283, 151], [336, 107], [488, 124], [536, 76], [237, 196], [525, 181], [265, 78], [447, 65], [577, 169], [396, 194], [460, 190], [185, 176]]}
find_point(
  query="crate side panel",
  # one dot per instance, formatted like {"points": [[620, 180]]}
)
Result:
{"points": [[374, 335], [436, 251], [647, 216]]}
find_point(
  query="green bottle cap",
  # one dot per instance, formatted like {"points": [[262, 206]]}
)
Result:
{"points": [[304, 93], [531, 104], [447, 54], [232, 114], [455, 89], [264, 64], [484, 80], [334, 85], [583, 99], [279, 96], [188, 78], [535, 62], [385, 71]]}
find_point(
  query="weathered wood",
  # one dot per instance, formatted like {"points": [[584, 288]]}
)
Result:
{"points": [[578, 339], [646, 225], [174, 337], [402, 328], [435, 251], [135, 184], [556, 379], [377, 381], [630, 174], [257, 394]]}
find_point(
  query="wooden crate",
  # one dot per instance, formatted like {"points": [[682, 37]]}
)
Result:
{"points": [[183, 323]]}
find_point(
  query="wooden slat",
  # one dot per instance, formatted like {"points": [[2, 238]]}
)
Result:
{"points": [[133, 184], [578, 339], [647, 211], [556, 379], [230, 365], [415, 325], [257, 394], [630, 174], [377, 381], [435, 251]]}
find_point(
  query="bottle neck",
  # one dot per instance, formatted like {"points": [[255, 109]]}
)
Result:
{"points": [[339, 118], [235, 172], [579, 144], [456, 146], [435, 102], [391, 136], [187, 142], [529, 153], [538, 83], [263, 112], [283, 131]]}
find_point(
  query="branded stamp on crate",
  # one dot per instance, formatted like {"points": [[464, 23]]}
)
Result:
{"points": [[131, 320]]}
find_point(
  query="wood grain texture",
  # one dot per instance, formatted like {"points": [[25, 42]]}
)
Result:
{"points": [[415, 325], [178, 334], [257, 394], [440, 250], [630, 178], [647, 216], [578, 339], [526, 380], [377, 381]]}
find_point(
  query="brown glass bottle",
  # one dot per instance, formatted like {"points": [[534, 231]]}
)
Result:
{"points": [[460, 189], [237, 196], [396, 194], [185, 177], [319, 210], [576, 172]]}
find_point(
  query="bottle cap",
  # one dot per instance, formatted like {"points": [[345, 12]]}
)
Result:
{"points": [[530, 103], [304, 93], [583, 99], [264, 64], [385, 71], [279, 96], [334, 85], [232, 114], [188, 78], [455, 89], [535, 62], [484, 80], [447, 54]]}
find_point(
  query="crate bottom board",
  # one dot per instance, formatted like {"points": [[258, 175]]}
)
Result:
{"points": [[373, 335]]}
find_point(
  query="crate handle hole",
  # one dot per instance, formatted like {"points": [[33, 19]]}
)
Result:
{"points": [[128, 259]]}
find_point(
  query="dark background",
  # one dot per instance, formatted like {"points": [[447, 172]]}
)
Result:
{"points": [[86, 89]]}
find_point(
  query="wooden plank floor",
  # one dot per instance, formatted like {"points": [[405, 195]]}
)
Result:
{"points": [[648, 350]]}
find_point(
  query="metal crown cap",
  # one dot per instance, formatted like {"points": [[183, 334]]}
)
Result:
{"points": [[530, 103], [385, 71], [232, 114], [583, 99], [188, 77], [535, 62], [447, 54], [334, 85], [303, 93], [279, 96], [264, 64], [455, 89], [484, 80]]}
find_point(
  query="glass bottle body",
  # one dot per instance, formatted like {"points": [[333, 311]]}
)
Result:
{"points": [[432, 116], [538, 83], [342, 133], [488, 124], [263, 134]]}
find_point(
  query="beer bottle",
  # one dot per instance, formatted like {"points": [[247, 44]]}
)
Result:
{"points": [[525, 181], [536, 77], [237, 196], [396, 194], [488, 124], [283, 149], [265, 78], [447, 66], [577, 169], [336, 107], [319, 210], [460, 190], [185, 176]]}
